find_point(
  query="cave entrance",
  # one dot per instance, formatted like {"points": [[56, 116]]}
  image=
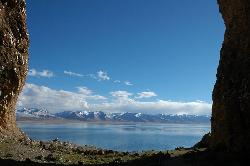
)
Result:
{"points": [[128, 49]]}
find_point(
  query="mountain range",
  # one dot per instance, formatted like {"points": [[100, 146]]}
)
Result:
{"points": [[99, 116]]}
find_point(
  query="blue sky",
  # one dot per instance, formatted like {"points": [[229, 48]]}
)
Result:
{"points": [[164, 50]]}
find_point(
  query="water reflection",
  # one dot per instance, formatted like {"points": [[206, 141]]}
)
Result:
{"points": [[122, 137]]}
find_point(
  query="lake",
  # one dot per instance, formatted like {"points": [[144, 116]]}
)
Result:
{"points": [[121, 137]]}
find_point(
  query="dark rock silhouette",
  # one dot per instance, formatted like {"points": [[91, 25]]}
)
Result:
{"points": [[231, 94], [204, 142], [14, 42]]}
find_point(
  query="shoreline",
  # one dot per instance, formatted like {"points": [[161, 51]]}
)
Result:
{"points": [[67, 121]]}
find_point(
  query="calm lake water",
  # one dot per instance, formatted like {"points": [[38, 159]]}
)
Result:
{"points": [[121, 137]]}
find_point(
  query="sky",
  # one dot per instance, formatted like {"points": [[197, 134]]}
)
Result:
{"points": [[149, 56]]}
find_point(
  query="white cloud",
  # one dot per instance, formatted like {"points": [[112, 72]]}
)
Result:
{"points": [[89, 94], [44, 73], [100, 76], [117, 81], [120, 98], [155, 107], [147, 94], [122, 101], [96, 97], [128, 83], [56, 100], [70, 73], [103, 76], [73, 74], [121, 94], [84, 90]]}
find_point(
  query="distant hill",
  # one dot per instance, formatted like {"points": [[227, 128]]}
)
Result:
{"points": [[99, 116], [34, 114]]}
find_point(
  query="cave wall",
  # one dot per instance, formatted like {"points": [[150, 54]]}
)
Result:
{"points": [[14, 42], [230, 120]]}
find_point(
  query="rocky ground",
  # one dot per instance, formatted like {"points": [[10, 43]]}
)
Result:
{"points": [[31, 152], [67, 153]]}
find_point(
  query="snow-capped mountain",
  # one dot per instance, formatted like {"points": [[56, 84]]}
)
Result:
{"points": [[110, 117], [34, 113], [82, 115]]}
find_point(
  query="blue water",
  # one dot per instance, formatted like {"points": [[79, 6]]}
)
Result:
{"points": [[121, 137]]}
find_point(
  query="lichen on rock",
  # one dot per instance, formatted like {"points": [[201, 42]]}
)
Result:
{"points": [[14, 42], [231, 94]]}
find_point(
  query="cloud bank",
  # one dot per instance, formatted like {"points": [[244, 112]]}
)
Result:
{"points": [[118, 101], [56, 100]]}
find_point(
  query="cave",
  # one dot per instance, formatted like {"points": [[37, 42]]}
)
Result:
{"points": [[230, 122]]}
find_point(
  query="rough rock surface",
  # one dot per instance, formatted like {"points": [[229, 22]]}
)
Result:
{"points": [[14, 42], [231, 94]]}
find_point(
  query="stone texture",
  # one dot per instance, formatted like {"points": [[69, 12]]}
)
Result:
{"points": [[14, 42], [231, 94]]}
